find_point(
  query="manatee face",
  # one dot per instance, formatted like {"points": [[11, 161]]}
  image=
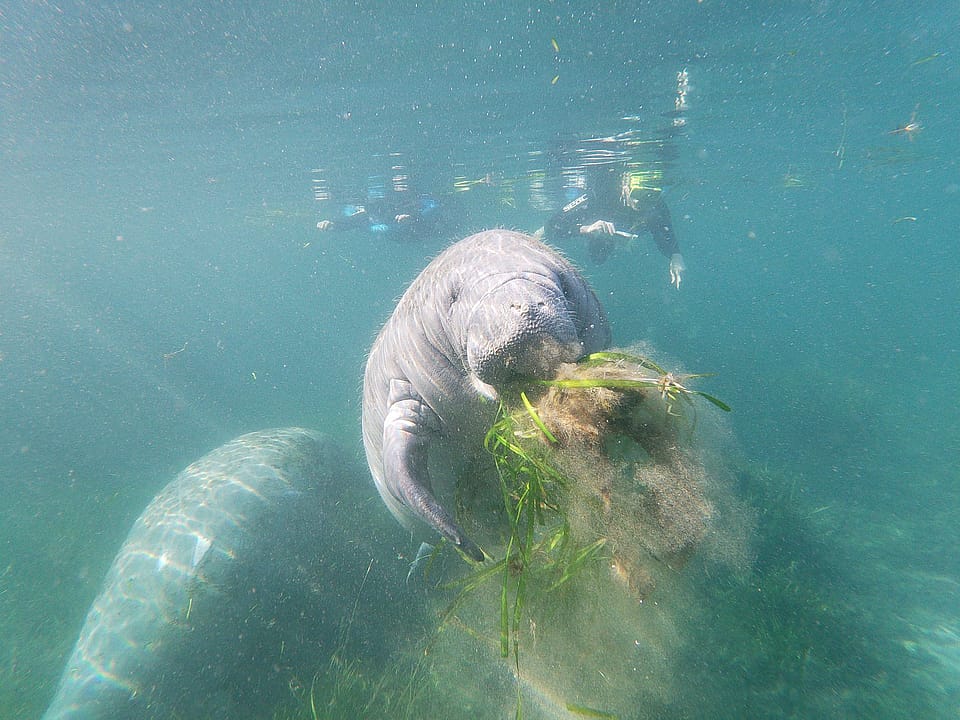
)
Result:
{"points": [[522, 328]]}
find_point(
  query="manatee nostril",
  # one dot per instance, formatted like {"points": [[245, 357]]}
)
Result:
{"points": [[529, 308]]}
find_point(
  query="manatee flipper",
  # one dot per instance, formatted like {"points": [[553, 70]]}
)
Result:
{"points": [[407, 430]]}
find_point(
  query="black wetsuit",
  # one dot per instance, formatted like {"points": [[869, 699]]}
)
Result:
{"points": [[601, 201]]}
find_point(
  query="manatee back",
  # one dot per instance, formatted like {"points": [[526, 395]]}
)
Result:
{"points": [[171, 606]]}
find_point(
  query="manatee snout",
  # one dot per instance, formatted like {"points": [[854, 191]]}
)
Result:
{"points": [[523, 329]]}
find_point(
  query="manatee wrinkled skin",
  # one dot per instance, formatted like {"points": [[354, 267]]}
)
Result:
{"points": [[492, 309], [205, 565]]}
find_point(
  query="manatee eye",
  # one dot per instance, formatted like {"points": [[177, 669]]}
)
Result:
{"points": [[452, 299]]}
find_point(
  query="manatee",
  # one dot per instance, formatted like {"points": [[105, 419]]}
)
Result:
{"points": [[225, 590], [489, 311]]}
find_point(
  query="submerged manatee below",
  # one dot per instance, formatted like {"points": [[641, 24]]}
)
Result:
{"points": [[235, 580]]}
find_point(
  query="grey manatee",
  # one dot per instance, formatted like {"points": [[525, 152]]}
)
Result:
{"points": [[231, 584], [491, 310]]}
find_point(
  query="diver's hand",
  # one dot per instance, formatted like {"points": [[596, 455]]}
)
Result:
{"points": [[677, 268], [402, 217], [324, 225], [600, 227]]}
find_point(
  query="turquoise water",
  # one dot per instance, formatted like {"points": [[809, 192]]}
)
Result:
{"points": [[163, 287]]}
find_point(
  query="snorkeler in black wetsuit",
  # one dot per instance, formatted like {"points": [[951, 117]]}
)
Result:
{"points": [[403, 217], [618, 204]]}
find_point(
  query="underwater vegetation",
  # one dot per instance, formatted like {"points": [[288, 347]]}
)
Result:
{"points": [[602, 501], [345, 688], [636, 575], [793, 636]]}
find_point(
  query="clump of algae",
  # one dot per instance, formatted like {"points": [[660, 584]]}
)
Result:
{"points": [[605, 499], [614, 427]]}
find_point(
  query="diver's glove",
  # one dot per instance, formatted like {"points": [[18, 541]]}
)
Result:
{"points": [[677, 268], [605, 227], [600, 227]]}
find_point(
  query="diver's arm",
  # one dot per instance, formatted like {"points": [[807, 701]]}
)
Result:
{"points": [[660, 224], [603, 227], [349, 217], [572, 223], [580, 216]]}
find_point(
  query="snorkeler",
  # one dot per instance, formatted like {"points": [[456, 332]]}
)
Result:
{"points": [[618, 204], [399, 216]]}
